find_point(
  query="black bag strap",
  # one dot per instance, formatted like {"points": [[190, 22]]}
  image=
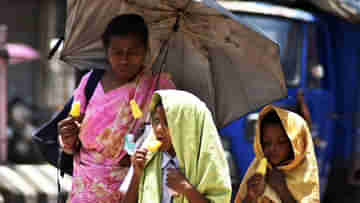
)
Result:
{"points": [[94, 79]]}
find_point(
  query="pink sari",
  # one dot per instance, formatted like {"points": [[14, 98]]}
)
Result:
{"points": [[97, 175]]}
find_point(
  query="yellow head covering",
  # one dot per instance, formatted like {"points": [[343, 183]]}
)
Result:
{"points": [[302, 172]]}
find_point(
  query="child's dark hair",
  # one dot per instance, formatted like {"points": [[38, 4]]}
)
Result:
{"points": [[270, 118], [159, 104], [124, 25]]}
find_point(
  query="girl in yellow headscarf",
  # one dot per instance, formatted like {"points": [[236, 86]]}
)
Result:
{"points": [[284, 140]]}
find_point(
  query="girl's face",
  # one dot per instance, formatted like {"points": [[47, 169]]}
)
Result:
{"points": [[161, 130], [276, 144], [126, 55]]}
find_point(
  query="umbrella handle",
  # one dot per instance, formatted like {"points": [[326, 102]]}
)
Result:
{"points": [[164, 47], [177, 24]]}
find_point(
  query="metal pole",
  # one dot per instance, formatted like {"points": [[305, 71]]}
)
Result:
{"points": [[3, 94]]}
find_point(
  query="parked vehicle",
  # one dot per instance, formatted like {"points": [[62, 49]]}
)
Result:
{"points": [[305, 57]]}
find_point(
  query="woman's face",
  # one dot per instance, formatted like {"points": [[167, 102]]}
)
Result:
{"points": [[126, 55], [161, 130], [276, 144]]}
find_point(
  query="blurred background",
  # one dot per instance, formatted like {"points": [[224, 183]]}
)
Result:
{"points": [[320, 54]]}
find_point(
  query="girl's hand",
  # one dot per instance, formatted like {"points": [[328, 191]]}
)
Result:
{"points": [[255, 186], [177, 181], [138, 161], [276, 179]]}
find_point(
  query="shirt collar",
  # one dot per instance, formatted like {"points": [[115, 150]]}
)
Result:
{"points": [[167, 158]]}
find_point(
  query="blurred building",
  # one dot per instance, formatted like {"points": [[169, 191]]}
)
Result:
{"points": [[38, 88], [37, 23]]}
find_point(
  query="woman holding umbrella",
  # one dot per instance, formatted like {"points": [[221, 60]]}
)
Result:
{"points": [[96, 137]]}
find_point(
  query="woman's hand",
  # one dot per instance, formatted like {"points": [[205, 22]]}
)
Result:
{"points": [[255, 187], [138, 161], [68, 130]]}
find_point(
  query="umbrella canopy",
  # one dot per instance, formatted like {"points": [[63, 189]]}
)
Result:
{"points": [[232, 66]]}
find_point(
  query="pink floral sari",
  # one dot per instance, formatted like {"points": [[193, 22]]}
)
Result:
{"points": [[97, 175]]}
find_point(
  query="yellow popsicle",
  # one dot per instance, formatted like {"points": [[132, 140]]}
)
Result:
{"points": [[75, 109], [135, 109], [262, 167], [154, 147]]}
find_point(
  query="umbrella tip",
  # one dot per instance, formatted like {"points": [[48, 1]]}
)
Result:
{"points": [[176, 25]]}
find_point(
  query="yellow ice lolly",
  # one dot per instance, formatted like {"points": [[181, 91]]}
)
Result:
{"points": [[75, 109], [262, 167], [135, 109], [154, 147]]}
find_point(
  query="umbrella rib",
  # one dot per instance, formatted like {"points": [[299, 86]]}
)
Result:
{"points": [[167, 19], [187, 18], [187, 5], [187, 31], [165, 46], [83, 45], [152, 9], [241, 81]]}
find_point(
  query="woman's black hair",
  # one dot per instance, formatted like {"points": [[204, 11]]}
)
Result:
{"points": [[124, 25]]}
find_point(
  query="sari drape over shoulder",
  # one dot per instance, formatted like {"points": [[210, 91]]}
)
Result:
{"points": [[198, 148], [97, 175], [301, 173]]}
